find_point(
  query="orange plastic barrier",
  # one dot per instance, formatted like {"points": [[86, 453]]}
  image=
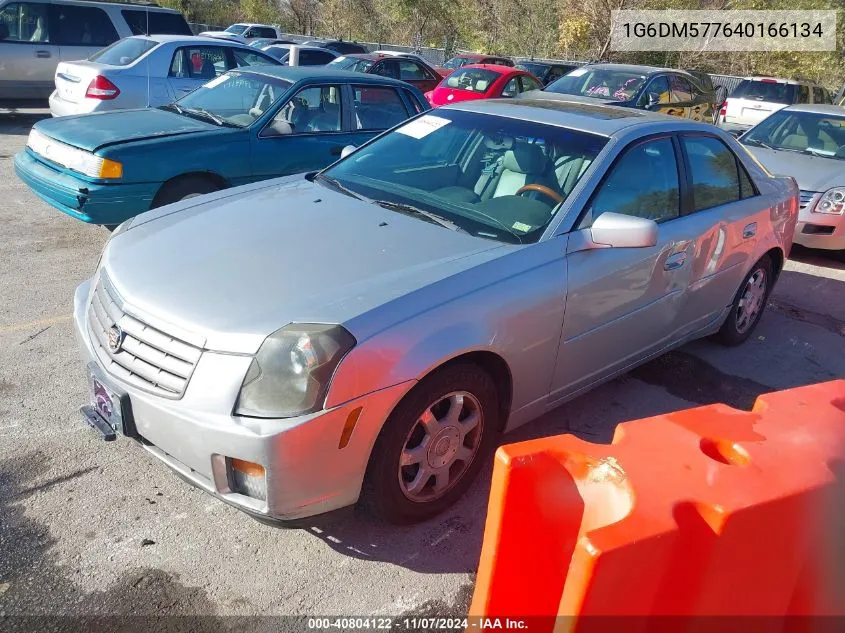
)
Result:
{"points": [[708, 511]]}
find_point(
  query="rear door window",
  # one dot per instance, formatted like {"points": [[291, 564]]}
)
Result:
{"points": [[714, 172], [529, 83], [802, 94], [412, 71], [199, 62], [263, 31], [377, 107], [25, 22], [75, 25], [142, 22], [680, 89], [314, 58]]}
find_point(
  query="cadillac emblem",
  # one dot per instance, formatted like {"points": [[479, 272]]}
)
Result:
{"points": [[115, 339]]}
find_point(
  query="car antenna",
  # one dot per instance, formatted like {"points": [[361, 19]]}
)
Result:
{"points": [[147, 33]]}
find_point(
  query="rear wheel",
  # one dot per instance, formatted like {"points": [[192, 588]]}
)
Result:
{"points": [[432, 445], [183, 189], [749, 304]]}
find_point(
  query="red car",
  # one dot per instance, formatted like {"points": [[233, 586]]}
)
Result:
{"points": [[411, 70], [482, 81]]}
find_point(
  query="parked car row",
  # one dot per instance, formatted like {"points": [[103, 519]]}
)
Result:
{"points": [[507, 255]]}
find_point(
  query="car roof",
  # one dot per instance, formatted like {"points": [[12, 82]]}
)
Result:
{"points": [[818, 108], [117, 3], [298, 73], [495, 67], [634, 68], [781, 80], [189, 39], [605, 120]]}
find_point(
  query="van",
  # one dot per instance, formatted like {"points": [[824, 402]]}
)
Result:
{"points": [[755, 98], [35, 35]]}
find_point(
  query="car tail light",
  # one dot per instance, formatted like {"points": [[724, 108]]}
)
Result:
{"points": [[101, 88], [724, 109]]}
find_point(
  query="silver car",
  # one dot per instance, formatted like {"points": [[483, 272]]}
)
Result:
{"points": [[146, 71], [808, 143], [368, 331]]}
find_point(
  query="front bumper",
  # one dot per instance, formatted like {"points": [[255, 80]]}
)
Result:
{"points": [[820, 230], [95, 203], [307, 471]]}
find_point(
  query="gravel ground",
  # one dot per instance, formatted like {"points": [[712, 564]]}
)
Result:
{"points": [[90, 528]]}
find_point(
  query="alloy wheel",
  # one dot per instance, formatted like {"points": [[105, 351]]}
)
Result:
{"points": [[752, 301]]}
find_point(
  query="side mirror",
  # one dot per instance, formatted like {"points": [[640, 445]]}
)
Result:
{"points": [[736, 133], [623, 231], [653, 99], [346, 151]]}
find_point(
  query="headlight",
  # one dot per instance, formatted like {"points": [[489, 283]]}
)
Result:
{"points": [[290, 374], [832, 202], [73, 158]]}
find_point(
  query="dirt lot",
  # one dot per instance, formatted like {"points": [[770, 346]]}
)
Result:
{"points": [[89, 527]]}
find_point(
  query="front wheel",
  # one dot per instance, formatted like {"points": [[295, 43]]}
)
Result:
{"points": [[748, 305], [182, 189], [433, 445]]}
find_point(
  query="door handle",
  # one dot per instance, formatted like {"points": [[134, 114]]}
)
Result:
{"points": [[337, 150], [675, 261], [749, 231], [43, 54]]}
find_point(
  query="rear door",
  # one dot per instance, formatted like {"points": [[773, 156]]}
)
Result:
{"points": [[28, 53], [729, 216], [681, 96], [375, 109], [308, 132], [624, 304], [192, 66], [80, 31]]}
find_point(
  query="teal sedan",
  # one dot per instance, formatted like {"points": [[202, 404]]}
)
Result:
{"points": [[246, 125]]}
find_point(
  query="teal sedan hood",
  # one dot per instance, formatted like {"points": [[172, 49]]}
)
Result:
{"points": [[94, 131]]}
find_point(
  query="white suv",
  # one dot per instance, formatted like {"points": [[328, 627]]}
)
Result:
{"points": [[755, 98], [35, 35]]}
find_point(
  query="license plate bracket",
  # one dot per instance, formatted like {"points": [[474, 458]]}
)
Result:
{"points": [[110, 404]]}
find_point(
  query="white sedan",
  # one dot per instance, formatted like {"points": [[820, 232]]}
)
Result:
{"points": [[146, 71]]}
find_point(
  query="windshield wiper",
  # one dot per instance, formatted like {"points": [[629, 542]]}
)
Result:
{"points": [[754, 141], [411, 210], [334, 183], [173, 106], [208, 115]]}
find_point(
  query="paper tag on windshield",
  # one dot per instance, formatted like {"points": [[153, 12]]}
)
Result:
{"points": [[578, 72], [216, 81], [422, 127], [519, 226]]}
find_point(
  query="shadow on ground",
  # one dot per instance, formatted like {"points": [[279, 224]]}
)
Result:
{"points": [[19, 123]]}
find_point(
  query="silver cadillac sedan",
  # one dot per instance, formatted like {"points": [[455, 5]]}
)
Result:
{"points": [[365, 333]]}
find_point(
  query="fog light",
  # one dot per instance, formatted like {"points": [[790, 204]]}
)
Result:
{"points": [[249, 479]]}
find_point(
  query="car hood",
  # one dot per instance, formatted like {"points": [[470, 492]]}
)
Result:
{"points": [[558, 96], [813, 173], [240, 265], [222, 34], [95, 131]]}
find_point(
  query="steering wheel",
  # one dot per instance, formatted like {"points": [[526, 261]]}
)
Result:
{"points": [[551, 193]]}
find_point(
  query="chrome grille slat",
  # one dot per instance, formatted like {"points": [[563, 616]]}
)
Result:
{"points": [[806, 197], [148, 359]]}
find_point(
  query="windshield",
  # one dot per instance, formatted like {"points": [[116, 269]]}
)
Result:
{"points": [[803, 132], [353, 64], [538, 70], [123, 52], [494, 177], [278, 52], [457, 62], [764, 90], [602, 83], [236, 29], [235, 99], [472, 79]]}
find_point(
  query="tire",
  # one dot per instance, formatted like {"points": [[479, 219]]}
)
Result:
{"points": [[182, 189], [739, 324], [405, 494]]}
